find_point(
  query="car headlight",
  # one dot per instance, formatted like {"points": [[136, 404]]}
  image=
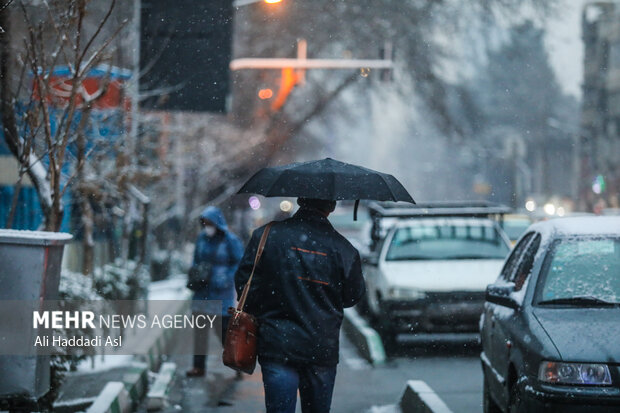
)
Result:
{"points": [[405, 293], [574, 373]]}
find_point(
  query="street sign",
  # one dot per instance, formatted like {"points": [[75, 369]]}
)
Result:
{"points": [[185, 49]]}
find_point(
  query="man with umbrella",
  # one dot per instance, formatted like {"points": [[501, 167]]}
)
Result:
{"points": [[307, 274]]}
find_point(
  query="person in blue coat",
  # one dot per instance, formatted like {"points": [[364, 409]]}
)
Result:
{"points": [[217, 246]]}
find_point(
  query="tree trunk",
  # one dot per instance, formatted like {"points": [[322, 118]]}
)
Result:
{"points": [[16, 190], [87, 215], [88, 260]]}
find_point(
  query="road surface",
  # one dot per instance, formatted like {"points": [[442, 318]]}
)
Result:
{"points": [[451, 369]]}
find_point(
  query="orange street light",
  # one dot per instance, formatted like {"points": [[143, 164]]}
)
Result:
{"points": [[240, 3], [265, 94]]}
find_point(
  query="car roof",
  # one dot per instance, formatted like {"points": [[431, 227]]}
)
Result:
{"points": [[576, 226], [427, 221], [438, 209]]}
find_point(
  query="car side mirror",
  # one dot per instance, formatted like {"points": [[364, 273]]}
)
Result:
{"points": [[371, 259], [501, 294]]}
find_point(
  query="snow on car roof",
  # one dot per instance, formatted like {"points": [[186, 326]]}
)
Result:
{"points": [[457, 221], [591, 225], [464, 208]]}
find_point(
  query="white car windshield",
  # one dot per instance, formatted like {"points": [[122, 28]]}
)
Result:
{"points": [[447, 241], [584, 269]]}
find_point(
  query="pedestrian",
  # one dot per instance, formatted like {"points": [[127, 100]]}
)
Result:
{"points": [[307, 274], [217, 251]]}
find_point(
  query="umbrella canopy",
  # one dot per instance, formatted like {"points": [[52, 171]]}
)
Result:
{"points": [[326, 179]]}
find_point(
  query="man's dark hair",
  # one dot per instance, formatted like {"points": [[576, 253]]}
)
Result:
{"points": [[320, 204]]}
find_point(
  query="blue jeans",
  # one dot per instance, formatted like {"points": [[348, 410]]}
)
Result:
{"points": [[281, 381]]}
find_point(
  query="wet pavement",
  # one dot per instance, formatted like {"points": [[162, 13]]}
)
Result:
{"points": [[451, 369]]}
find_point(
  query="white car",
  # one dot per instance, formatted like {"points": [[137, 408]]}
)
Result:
{"points": [[429, 274]]}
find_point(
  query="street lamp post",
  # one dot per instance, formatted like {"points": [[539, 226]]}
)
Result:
{"points": [[241, 3]]}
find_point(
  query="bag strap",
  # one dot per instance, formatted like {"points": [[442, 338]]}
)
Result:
{"points": [[259, 252]]}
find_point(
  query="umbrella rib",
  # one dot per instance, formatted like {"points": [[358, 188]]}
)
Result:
{"points": [[273, 184], [388, 186]]}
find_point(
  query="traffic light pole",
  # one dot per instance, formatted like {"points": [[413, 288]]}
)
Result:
{"points": [[293, 70], [283, 63]]}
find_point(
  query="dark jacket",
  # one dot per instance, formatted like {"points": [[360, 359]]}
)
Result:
{"points": [[223, 251], [308, 273]]}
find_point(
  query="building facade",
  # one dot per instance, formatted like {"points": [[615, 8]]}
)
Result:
{"points": [[600, 114]]}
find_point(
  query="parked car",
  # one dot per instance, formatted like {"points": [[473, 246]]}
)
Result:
{"points": [[342, 220], [430, 270], [551, 324], [515, 225]]}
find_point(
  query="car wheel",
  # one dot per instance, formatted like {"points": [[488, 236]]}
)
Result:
{"points": [[515, 404], [488, 404]]}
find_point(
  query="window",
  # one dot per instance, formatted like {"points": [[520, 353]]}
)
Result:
{"points": [[513, 260], [527, 262], [582, 267], [446, 240]]}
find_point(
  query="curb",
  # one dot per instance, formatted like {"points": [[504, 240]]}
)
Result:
{"points": [[136, 382], [160, 345], [365, 338], [156, 398], [112, 399], [418, 397], [126, 397]]}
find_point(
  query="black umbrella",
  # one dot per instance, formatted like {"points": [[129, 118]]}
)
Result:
{"points": [[326, 179]]}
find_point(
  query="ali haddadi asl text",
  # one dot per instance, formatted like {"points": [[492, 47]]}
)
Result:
{"points": [[58, 341]]}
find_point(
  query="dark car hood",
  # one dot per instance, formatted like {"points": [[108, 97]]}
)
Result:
{"points": [[583, 334]]}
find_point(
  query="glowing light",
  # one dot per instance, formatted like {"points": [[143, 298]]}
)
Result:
{"points": [[598, 186], [364, 71], [286, 206], [254, 202], [549, 209], [530, 205], [561, 212], [265, 94], [272, 1]]}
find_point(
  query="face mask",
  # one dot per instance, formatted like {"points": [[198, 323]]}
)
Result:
{"points": [[210, 231]]}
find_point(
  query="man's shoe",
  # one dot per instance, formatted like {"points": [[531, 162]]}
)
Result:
{"points": [[195, 372]]}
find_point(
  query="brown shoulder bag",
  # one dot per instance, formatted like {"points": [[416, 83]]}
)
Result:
{"points": [[241, 334]]}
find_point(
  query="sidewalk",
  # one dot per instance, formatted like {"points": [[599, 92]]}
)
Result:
{"points": [[217, 392], [79, 389]]}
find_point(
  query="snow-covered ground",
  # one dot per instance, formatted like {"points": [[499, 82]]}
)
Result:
{"points": [[172, 288], [102, 363]]}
